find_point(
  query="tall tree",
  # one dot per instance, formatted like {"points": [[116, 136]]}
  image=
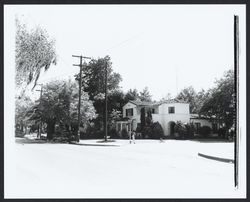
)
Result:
{"points": [[220, 103], [189, 95], [131, 95], [145, 95], [93, 76], [34, 51]]}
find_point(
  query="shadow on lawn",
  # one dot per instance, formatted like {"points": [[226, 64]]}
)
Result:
{"points": [[29, 141], [212, 140]]}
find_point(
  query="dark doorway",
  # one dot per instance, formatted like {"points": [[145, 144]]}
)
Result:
{"points": [[171, 126]]}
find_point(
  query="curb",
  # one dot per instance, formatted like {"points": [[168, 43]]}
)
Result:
{"points": [[216, 158], [100, 145]]}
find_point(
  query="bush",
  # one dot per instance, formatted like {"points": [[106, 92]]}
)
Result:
{"points": [[147, 132], [138, 128], [93, 132], [156, 131], [19, 133], [205, 131], [124, 133], [113, 133], [180, 129], [184, 131], [222, 132], [190, 130]]}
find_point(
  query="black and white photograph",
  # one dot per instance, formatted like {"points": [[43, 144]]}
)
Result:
{"points": [[124, 101]]}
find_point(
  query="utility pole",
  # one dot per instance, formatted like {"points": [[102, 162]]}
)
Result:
{"points": [[106, 101], [40, 124], [236, 82], [80, 93]]}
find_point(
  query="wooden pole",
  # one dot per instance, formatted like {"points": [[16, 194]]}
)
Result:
{"points": [[80, 94], [236, 82], [106, 101]]}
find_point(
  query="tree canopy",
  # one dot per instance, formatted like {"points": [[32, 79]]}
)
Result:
{"points": [[145, 95], [59, 104], [220, 103], [34, 50], [93, 78]]}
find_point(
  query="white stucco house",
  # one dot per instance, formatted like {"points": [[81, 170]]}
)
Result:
{"points": [[167, 113]]}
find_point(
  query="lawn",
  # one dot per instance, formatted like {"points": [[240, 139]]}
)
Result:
{"points": [[147, 169]]}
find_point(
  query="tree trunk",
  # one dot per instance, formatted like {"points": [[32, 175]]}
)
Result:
{"points": [[50, 129]]}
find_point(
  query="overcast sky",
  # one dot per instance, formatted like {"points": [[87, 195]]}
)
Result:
{"points": [[164, 47]]}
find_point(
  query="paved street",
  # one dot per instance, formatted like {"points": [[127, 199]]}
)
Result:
{"points": [[145, 169]]}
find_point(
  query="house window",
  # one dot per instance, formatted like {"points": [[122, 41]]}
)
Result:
{"points": [[171, 110], [129, 112], [153, 111]]}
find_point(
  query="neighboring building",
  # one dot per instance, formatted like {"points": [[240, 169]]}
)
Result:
{"points": [[167, 113]]}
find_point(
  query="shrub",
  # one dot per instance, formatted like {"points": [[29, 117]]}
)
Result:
{"points": [[113, 133], [138, 128], [147, 132], [184, 131], [156, 131], [222, 132], [180, 129], [124, 133], [205, 131], [190, 130]]}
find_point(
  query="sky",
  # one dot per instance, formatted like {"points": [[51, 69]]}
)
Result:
{"points": [[163, 47]]}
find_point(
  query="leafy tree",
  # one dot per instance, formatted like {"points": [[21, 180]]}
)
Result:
{"points": [[93, 80], [145, 95], [23, 105], [34, 51], [59, 104], [201, 97], [131, 95], [188, 95], [220, 103], [115, 101], [113, 117]]}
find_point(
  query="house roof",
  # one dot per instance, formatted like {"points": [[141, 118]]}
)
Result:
{"points": [[194, 116], [173, 101], [141, 103], [197, 116]]}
